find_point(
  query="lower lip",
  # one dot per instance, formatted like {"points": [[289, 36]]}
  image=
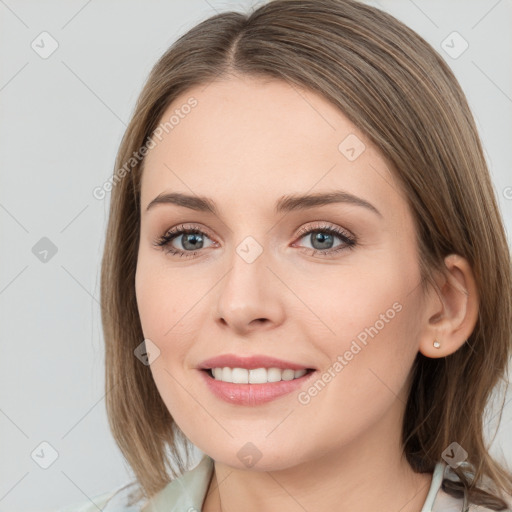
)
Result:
{"points": [[253, 394]]}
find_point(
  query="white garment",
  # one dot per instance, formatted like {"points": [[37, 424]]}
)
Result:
{"points": [[187, 493]]}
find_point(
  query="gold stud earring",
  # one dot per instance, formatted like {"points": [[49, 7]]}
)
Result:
{"points": [[437, 344]]}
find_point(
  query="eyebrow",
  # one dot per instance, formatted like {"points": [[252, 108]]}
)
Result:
{"points": [[284, 204]]}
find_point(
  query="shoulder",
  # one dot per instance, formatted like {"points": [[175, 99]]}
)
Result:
{"points": [[115, 500], [447, 503], [187, 492], [439, 500]]}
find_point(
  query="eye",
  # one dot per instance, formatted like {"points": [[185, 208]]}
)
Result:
{"points": [[191, 238], [322, 238]]}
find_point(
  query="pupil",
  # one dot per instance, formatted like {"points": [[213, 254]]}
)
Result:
{"points": [[195, 240], [319, 237]]}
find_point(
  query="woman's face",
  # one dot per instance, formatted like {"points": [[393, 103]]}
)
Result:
{"points": [[330, 286]]}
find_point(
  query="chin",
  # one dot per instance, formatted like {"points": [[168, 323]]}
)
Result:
{"points": [[256, 456]]}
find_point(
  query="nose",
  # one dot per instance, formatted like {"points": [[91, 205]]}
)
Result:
{"points": [[250, 297]]}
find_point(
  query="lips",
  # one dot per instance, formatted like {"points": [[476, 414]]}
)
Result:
{"points": [[250, 363], [253, 394]]}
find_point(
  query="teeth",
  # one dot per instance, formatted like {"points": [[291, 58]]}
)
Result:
{"points": [[256, 376], [239, 376]]}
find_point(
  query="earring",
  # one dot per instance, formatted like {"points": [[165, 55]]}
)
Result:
{"points": [[437, 344]]}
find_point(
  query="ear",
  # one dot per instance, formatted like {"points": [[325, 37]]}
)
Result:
{"points": [[450, 314]]}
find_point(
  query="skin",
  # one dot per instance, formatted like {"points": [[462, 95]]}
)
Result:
{"points": [[245, 145]]}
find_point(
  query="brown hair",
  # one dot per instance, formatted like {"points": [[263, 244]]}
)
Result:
{"points": [[397, 89]]}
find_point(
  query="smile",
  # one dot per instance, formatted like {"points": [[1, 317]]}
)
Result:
{"points": [[267, 388]]}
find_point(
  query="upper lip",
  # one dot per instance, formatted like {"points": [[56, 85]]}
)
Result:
{"points": [[250, 363]]}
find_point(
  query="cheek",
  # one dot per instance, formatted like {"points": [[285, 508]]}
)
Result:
{"points": [[157, 303], [168, 309], [359, 300], [366, 374], [160, 309], [152, 302], [372, 317]]}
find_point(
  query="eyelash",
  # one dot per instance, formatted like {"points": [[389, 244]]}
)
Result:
{"points": [[165, 241]]}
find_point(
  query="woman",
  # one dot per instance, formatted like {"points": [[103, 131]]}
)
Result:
{"points": [[306, 274]]}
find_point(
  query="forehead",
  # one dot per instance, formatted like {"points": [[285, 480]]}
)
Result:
{"points": [[262, 138]]}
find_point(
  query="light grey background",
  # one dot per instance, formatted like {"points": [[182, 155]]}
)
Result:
{"points": [[61, 121]]}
